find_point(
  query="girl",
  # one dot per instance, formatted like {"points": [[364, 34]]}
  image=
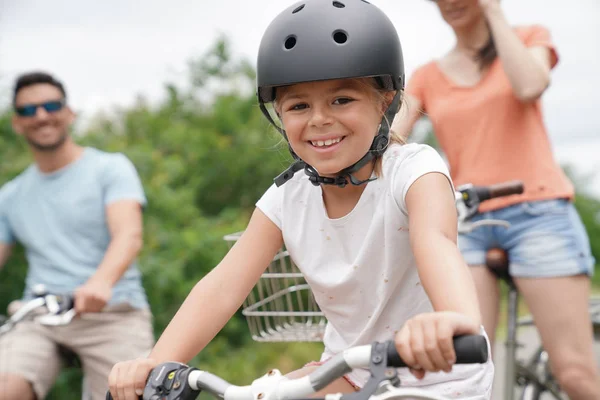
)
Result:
{"points": [[361, 222], [483, 100]]}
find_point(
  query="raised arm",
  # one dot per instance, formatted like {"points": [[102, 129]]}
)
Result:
{"points": [[528, 69]]}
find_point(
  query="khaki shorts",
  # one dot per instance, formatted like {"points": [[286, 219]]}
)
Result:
{"points": [[119, 333]]}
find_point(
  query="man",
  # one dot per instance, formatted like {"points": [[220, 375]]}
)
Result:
{"points": [[78, 213]]}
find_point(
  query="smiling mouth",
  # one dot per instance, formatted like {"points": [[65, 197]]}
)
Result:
{"points": [[44, 130], [455, 11], [325, 143]]}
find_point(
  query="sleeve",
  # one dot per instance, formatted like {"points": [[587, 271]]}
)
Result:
{"points": [[416, 86], [122, 182], [419, 160], [270, 205], [538, 35], [6, 233]]}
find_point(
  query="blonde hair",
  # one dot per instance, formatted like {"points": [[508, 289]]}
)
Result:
{"points": [[382, 98]]}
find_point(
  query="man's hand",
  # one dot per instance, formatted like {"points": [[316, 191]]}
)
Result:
{"points": [[92, 296]]}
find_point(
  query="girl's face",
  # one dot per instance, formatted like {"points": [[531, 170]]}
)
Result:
{"points": [[460, 14], [331, 124]]}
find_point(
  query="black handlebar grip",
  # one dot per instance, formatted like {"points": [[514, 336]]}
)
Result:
{"points": [[483, 193], [506, 189], [469, 349]]}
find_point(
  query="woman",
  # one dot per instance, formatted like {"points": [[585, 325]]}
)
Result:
{"points": [[483, 100]]}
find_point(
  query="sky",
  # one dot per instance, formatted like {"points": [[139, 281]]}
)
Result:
{"points": [[108, 52]]}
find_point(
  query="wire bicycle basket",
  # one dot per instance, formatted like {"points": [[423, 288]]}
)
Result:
{"points": [[281, 306]]}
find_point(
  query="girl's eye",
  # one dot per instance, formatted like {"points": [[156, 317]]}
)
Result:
{"points": [[297, 107], [342, 100]]}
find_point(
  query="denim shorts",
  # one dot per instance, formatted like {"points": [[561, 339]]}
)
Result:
{"points": [[545, 239]]}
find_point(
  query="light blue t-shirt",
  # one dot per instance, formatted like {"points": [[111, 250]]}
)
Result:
{"points": [[60, 218]]}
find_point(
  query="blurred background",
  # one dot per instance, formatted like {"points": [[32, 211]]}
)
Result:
{"points": [[170, 84]]}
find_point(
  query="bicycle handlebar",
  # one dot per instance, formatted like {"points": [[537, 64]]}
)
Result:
{"points": [[469, 197], [499, 190], [59, 308], [175, 381]]}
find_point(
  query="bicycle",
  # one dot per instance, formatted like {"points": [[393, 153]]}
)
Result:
{"points": [[49, 310], [532, 376], [176, 381], [281, 307]]}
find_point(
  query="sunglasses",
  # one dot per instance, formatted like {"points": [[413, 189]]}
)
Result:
{"points": [[29, 110]]}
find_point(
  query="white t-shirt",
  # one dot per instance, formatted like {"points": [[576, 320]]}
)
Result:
{"points": [[360, 267]]}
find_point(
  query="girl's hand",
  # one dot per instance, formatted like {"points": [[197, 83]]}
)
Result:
{"points": [[425, 341], [127, 379]]}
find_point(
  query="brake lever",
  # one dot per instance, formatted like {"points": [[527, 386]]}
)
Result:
{"points": [[56, 319], [52, 304]]}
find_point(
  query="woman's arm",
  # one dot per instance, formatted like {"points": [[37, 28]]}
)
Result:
{"points": [[528, 69], [406, 117], [219, 294], [433, 234]]}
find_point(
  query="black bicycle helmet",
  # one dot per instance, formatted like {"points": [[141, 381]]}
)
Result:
{"points": [[316, 40]]}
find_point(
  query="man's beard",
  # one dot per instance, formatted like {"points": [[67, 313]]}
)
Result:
{"points": [[48, 147]]}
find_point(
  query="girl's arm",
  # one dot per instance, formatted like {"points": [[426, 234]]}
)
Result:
{"points": [[214, 299], [433, 235], [528, 69], [425, 341]]}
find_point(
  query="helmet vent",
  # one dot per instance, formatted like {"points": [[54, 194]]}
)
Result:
{"points": [[290, 42], [365, 1], [299, 8], [338, 4], [340, 37]]}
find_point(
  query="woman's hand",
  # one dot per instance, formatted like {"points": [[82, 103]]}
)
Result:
{"points": [[425, 341], [127, 379], [487, 5]]}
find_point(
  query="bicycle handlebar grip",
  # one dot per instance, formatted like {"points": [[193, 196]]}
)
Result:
{"points": [[469, 349], [506, 189]]}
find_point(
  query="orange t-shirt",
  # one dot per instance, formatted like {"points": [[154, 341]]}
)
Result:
{"points": [[487, 134]]}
